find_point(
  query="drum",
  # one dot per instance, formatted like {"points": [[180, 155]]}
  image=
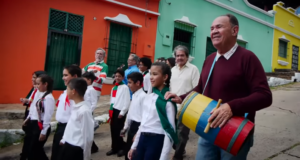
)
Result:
{"points": [[194, 114]]}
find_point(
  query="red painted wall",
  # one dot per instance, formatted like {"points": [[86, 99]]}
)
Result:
{"points": [[24, 29]]}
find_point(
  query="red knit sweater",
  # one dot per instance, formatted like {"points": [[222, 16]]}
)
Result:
{"points": [[239, 81]]}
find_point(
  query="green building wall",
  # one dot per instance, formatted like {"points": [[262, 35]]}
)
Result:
{"points": [[255, 30]]}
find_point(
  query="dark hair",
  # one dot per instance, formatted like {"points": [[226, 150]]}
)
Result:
{"points": [[45, 79], [232, 19], [37, 73], [136, 76], [162, 59], [120, 71], [89, 75], [182, 48], [171, 60], [79, 85], [73, 70], [166, 70], [146, 62]]}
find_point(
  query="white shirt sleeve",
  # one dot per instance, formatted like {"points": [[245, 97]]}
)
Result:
{"points": [[49, 110], [195, 77], [87, 133], [127, 122], [94, 99], [167, 146], [126, 100]]}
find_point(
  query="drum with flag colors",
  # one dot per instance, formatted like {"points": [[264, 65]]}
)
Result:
{"points": [[194, 114]]}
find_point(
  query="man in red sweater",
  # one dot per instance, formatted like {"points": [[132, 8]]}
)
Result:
{"points": [[238, 78]]}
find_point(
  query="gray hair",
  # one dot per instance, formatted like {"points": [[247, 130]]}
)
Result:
{"points": [[232, 19], [101, 49], [135, 58], [182, 48]]}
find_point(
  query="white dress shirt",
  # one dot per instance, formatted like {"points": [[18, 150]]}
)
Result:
{"points": [[63, 111], [91, 96], [80, 128], [49, 105], [136, 108], [228, 54], [122, 100], [147, 83], [184, 79], [151, 123]]}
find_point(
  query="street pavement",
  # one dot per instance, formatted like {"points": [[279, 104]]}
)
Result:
{"points": [[277, 132]]}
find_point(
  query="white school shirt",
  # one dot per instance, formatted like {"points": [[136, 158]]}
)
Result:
{"points": [[49, 105], [80, 129], [147, 83], [122, 100], [63, 111], [136, 108], [91, 96], [151, 123], [184, 79]]}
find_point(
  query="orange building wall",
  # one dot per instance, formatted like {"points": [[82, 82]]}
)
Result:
{"points": [[24, 29]]}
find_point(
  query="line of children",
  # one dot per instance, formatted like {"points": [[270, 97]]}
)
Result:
{"points": [[28, 102], [144, 66], [157, 131], [79, 133], [63, 111], [134, 116], [39, 118], [120, 100], [91, 96]]}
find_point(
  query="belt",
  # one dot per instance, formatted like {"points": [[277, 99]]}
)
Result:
{"points": [[151, 134], [59, 123]]}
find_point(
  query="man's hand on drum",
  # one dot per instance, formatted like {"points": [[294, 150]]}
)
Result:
{"points": [[173, 97], [220, 116]]}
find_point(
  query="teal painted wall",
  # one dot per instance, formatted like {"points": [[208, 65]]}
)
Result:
{"points": [[202, 13]]}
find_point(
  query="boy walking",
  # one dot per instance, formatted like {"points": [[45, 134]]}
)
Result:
{"points": [[134, 117], [79, 134], [119, 104]]}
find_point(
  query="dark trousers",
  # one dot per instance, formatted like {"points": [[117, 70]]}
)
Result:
{"points": [[134, 127], [94, 146], [26, 142], [60, 130], [70, 152], [149, 147], [116, 125], [35, 146], [183, 134]]}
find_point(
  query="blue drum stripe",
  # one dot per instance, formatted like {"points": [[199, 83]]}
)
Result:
{"points": [[236, 134], [186, 105], [213, 132]]}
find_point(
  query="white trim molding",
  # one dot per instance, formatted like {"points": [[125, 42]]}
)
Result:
{"points": [[122, 18], [258, 9], [240, 38], [252, 17], [283, 63], [283, 38], [133, 7], [185, 20]]}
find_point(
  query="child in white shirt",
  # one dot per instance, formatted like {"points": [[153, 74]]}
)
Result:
{"points": [[120, 100], [91, 96], [79, 134]]}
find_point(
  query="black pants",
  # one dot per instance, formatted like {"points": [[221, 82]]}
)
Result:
{"points": [[70, 152], [149, 147], [60, 130], [134, 127], [94, 146], [183, 134], [116, 125], [36, 147], [26, 141]]}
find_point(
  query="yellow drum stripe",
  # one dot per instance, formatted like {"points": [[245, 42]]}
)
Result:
{"points": [[194, 111]]}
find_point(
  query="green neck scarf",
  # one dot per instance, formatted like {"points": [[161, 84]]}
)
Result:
{"points": [[162, 113]]}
